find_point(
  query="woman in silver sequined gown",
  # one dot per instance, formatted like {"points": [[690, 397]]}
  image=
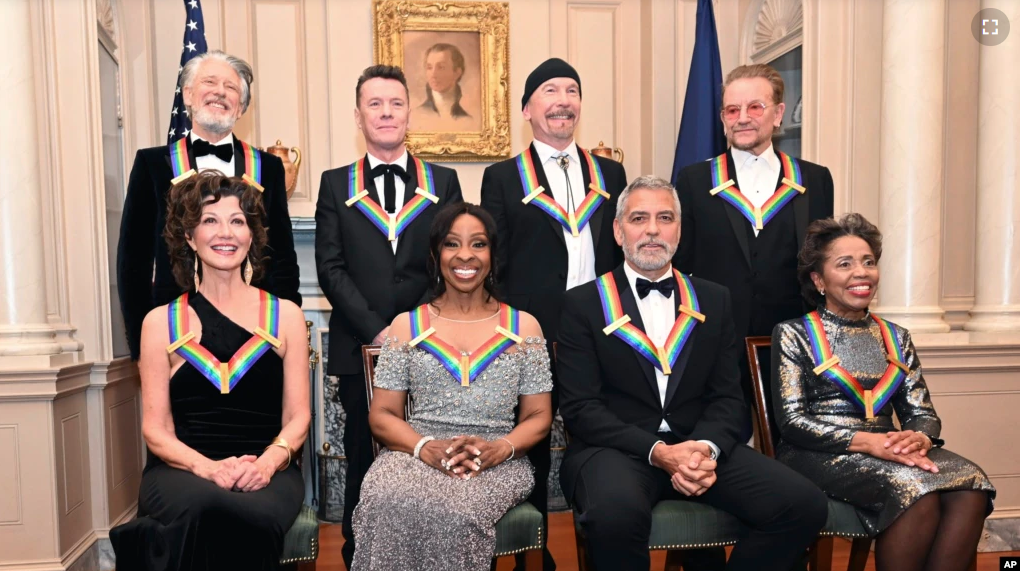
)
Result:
{"points": [[925, 504], [433, 504]]}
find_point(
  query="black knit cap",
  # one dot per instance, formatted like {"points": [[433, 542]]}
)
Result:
{"points": [[549, 69]]}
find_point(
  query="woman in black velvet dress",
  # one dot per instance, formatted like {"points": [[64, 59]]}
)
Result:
{"points": [[224, 375]]}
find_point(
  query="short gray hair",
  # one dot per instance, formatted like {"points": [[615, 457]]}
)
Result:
{"points": [[240, 66], [646, 181]]}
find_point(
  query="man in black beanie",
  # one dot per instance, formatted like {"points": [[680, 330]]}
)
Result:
{"points": [[549, 240]]}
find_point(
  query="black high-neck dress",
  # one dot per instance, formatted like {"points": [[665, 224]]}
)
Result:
{"points": [[188, 523]]}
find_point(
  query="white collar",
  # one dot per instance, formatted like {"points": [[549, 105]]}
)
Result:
{"points": [[374, 162], [741, 158], [225, 140], [441, 102], [546, 152], [632, 276]]}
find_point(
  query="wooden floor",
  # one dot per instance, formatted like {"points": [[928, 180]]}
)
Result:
{"points": [[561, 543]]}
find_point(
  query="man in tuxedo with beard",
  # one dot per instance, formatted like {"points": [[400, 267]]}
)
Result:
{"points": [[372, 268], [647, 362], [745, 213], [546, 243], [217, 90]]}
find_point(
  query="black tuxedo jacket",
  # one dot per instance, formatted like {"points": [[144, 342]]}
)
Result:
{"points": [[142, 244], [715, 243], [609, 395], [365, 282], [532, 256]]}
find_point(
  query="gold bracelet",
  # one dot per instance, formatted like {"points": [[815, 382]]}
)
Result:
{"points": [[283, 444]]}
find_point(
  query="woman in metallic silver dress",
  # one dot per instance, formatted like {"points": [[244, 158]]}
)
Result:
{"points": [[839, 373], [431, 500]]}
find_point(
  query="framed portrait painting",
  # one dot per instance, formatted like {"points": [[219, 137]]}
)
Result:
{"points": [[456, 59]]}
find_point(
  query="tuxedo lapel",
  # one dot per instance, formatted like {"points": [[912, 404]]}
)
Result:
{"points": [[544, 182], [801, 213], [404, 243], [595, 223], [737, 220], [344, 190], [238, 156], [685, 354], [629, 305], [412, 182]]}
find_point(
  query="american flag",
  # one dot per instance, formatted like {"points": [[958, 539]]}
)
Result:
{"points": [[194, 44]]}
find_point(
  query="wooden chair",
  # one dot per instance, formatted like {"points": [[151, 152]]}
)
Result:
{"points": [[520, 530], [843, 520]]}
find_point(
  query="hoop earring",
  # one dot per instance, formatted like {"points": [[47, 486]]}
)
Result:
{"points": [[822, 291], [248, 271], [196, 271]]}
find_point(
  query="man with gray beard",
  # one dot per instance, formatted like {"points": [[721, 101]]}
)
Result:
{"points": [[649, 389], [217, 91], [553, 205]]}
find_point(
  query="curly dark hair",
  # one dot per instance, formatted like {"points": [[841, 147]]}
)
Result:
{"points": [[184, 205], [820, 235], [441, 226]]}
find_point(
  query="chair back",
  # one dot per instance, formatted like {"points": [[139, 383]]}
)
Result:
{"points": [[370, 357], [759, 351]]}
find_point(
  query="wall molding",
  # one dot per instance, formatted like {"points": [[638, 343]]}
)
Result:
{"points": [[43, 385]]}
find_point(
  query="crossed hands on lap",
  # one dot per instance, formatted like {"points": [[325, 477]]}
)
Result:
{"points": [[463, 457], [689, 464], [247, 473]]}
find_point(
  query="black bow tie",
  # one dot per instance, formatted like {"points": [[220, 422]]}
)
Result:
{"points": [[398, 170], [390, 183], [665, 287], [223, 152]]}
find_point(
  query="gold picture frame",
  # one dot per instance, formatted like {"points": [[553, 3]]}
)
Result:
{"points": [[473, 34]]}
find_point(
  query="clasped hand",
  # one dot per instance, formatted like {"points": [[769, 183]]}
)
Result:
{"points": [[247, 473], [465, 456], [905, 447], [689, 464]]}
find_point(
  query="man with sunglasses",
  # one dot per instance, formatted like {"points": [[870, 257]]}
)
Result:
{"points": [[745, 213]]}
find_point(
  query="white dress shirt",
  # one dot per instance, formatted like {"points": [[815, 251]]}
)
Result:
{"points": [[380, 185], [657, 317], [212, 161], [580, 250], [757, 175]]}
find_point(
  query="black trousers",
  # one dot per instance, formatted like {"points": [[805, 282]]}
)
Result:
{"points": [[615, 494], [357, 448]]}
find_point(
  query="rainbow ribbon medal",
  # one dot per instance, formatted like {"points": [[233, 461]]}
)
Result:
{"points": [[223, 375], [618, 323], [827, 366], [183, 169], [535, 194], [726, 188], [464, 368], [423, 197]]}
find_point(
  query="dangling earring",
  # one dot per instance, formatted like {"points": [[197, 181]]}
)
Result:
{"points": [[196, 271], [248, 271]]}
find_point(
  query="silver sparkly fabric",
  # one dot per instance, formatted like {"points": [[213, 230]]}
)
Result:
{"points": [[817, 422], [413, 516]]}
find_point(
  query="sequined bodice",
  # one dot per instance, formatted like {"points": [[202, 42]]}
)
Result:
{"points": [[859, 346], [442, 407]]}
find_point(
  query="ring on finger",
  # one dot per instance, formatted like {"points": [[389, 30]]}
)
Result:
{"points": [[478, 461], [444, 464]]}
